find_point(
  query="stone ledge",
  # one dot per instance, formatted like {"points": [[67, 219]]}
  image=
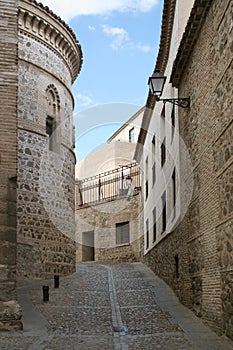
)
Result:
{"points": [[36, 22]]}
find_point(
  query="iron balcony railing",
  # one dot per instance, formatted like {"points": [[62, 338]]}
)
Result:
{"points": [[109, 185]]}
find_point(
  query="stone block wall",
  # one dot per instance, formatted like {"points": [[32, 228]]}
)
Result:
{"points": [[208, 80], [102, 219], [10, 313], [203, 241], [48, 65], [169, 260]]}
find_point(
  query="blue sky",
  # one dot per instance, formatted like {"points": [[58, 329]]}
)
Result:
{"points": [[119, 40]]}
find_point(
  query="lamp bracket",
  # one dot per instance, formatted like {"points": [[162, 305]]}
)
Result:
{"points": [[183, 102]]}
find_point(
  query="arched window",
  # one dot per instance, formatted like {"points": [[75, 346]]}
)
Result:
{"points": [[53, 106]]}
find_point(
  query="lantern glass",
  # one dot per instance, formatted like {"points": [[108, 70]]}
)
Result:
{"points": [[156, 83]]}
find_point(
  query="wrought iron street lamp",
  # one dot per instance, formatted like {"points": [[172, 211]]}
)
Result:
{"points": [[156, 84]]}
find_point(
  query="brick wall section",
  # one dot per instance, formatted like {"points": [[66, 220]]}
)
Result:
{"points": [[10, 313], [204, 241]]}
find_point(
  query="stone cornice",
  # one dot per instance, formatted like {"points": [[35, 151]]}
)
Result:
{"points": [[166, 33], [161, 62], [37, 21], [197, 16]]}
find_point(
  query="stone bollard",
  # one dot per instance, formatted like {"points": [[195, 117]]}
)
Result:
{"points": [[56, 281], [45, 293]]}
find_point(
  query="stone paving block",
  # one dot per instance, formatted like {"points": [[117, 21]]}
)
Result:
{"points": [[90, 308], [87, 321], [80, 343], [141, 297], [131, 284], [16, 341], [147, 320], [162, 342]]}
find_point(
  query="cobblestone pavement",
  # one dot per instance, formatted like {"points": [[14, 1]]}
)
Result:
{"points": [[108, 306]]}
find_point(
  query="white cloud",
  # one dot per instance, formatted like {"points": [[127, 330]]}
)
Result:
{"points": [[143, 47], [70, 8], [92, 28], [120, 36], [83, 100], [121, 39]]}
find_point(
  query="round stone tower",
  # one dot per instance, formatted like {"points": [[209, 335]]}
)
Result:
{"points": [[49, 60]]}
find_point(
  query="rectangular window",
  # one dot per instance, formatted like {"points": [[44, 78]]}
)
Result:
{"points": [[147, 234], [164, 212], [154, 224], [122, 233], [146, 168], [173, 122], [49, 131], [153, 162], [163, 114], [146, 182], [131, 135], [163, 152], [146, 190], [154, 173], [49, 126], [153, 147], [174, 192]]}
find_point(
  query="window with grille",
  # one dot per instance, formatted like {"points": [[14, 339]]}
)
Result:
{"points": [[122, 232]]}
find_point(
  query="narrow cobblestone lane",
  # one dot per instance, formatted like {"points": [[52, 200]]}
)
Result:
{"points": [[108, 306]]}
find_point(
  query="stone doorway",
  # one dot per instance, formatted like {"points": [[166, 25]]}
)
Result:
{"points": [[88, 246]]}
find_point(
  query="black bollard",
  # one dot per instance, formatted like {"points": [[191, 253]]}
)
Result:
{"points": [[56, 281], [45, 293]]}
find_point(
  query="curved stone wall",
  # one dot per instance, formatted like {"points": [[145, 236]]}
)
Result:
{"points": [[10, 312], [49, 61]]}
